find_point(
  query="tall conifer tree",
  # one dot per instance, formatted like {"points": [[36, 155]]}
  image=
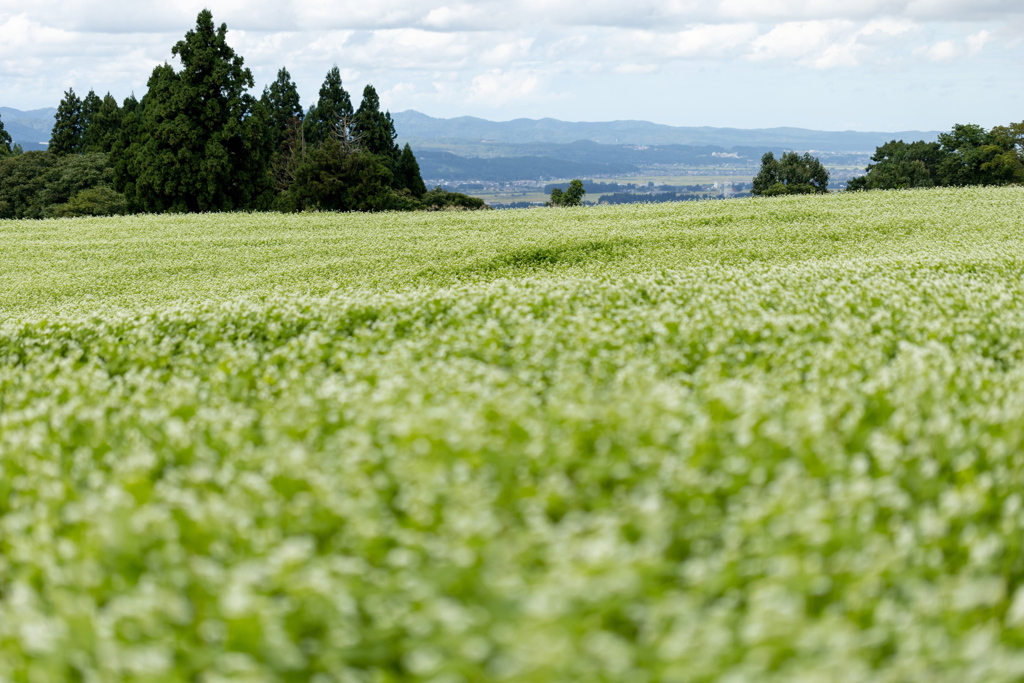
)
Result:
{"points": [[202, 139], [281, 102], [103, 126], [375, 129], [332, 113], [68, 125], [124, 159], [91, 104], [408, 174]]}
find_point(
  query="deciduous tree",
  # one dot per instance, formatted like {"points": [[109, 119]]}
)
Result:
{"points": [[571, 196], [574, 194], [965, 149], [792, 174], [900, 165], [33, 184]]}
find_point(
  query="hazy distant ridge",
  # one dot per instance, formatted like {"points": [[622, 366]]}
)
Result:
{"points": [[30, 129], [412, 125]]}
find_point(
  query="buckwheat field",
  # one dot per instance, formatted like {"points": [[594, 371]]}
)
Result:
{"points": [[757, 440]]}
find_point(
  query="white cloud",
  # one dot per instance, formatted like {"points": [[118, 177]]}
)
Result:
{"points": [[497, 87], [943, 51], [709, 41], [800, 41], [888, 27], [634, 69], [961, 10], [148, 16], [976, 42], [490, 50], [950, 50]]}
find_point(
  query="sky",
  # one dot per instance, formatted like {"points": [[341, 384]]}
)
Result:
{"points": [[870, 65]]}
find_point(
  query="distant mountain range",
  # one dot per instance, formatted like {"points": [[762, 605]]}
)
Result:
{"points": [[470, 148], [414, 126], [30, 129]]}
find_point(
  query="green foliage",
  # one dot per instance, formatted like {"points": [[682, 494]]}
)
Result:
{"points": [[102, 127], [408, 176], [964, 151], [374, 130], [571, 196], [68, 125], [720, 441], [7, 144], [91, 105], [329, 178], [34, 183], [334, 160], [282, 106], [332, 116], [974, 156], [967, 155], [23, 182], [125, 160], [101, 200], [792, 174], [574, 194], [439, 199], [343, 176], [200, 141], [898, 165]]}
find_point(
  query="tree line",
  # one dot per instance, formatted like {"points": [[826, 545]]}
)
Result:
{"points": [[199, 141], [967, 155]]}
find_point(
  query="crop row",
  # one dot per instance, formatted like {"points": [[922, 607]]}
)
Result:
{"points": [[772, 470]]}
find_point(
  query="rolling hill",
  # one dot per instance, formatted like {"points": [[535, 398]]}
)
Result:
{"points": [[30, 129]]}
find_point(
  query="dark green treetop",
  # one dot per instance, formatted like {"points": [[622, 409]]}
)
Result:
{"points": [[90, 107], [974, 156], [899, 165], [103, 126], [130, 104], [374, 129], [1008, 165], [201, 139], [33, 184], [331, 117], [281, 101], [328, 178], [571, 196], [574, 194], [408, 175], [967, 155], [440, 199], [6, 143], [68, 125], [792, 174]]}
